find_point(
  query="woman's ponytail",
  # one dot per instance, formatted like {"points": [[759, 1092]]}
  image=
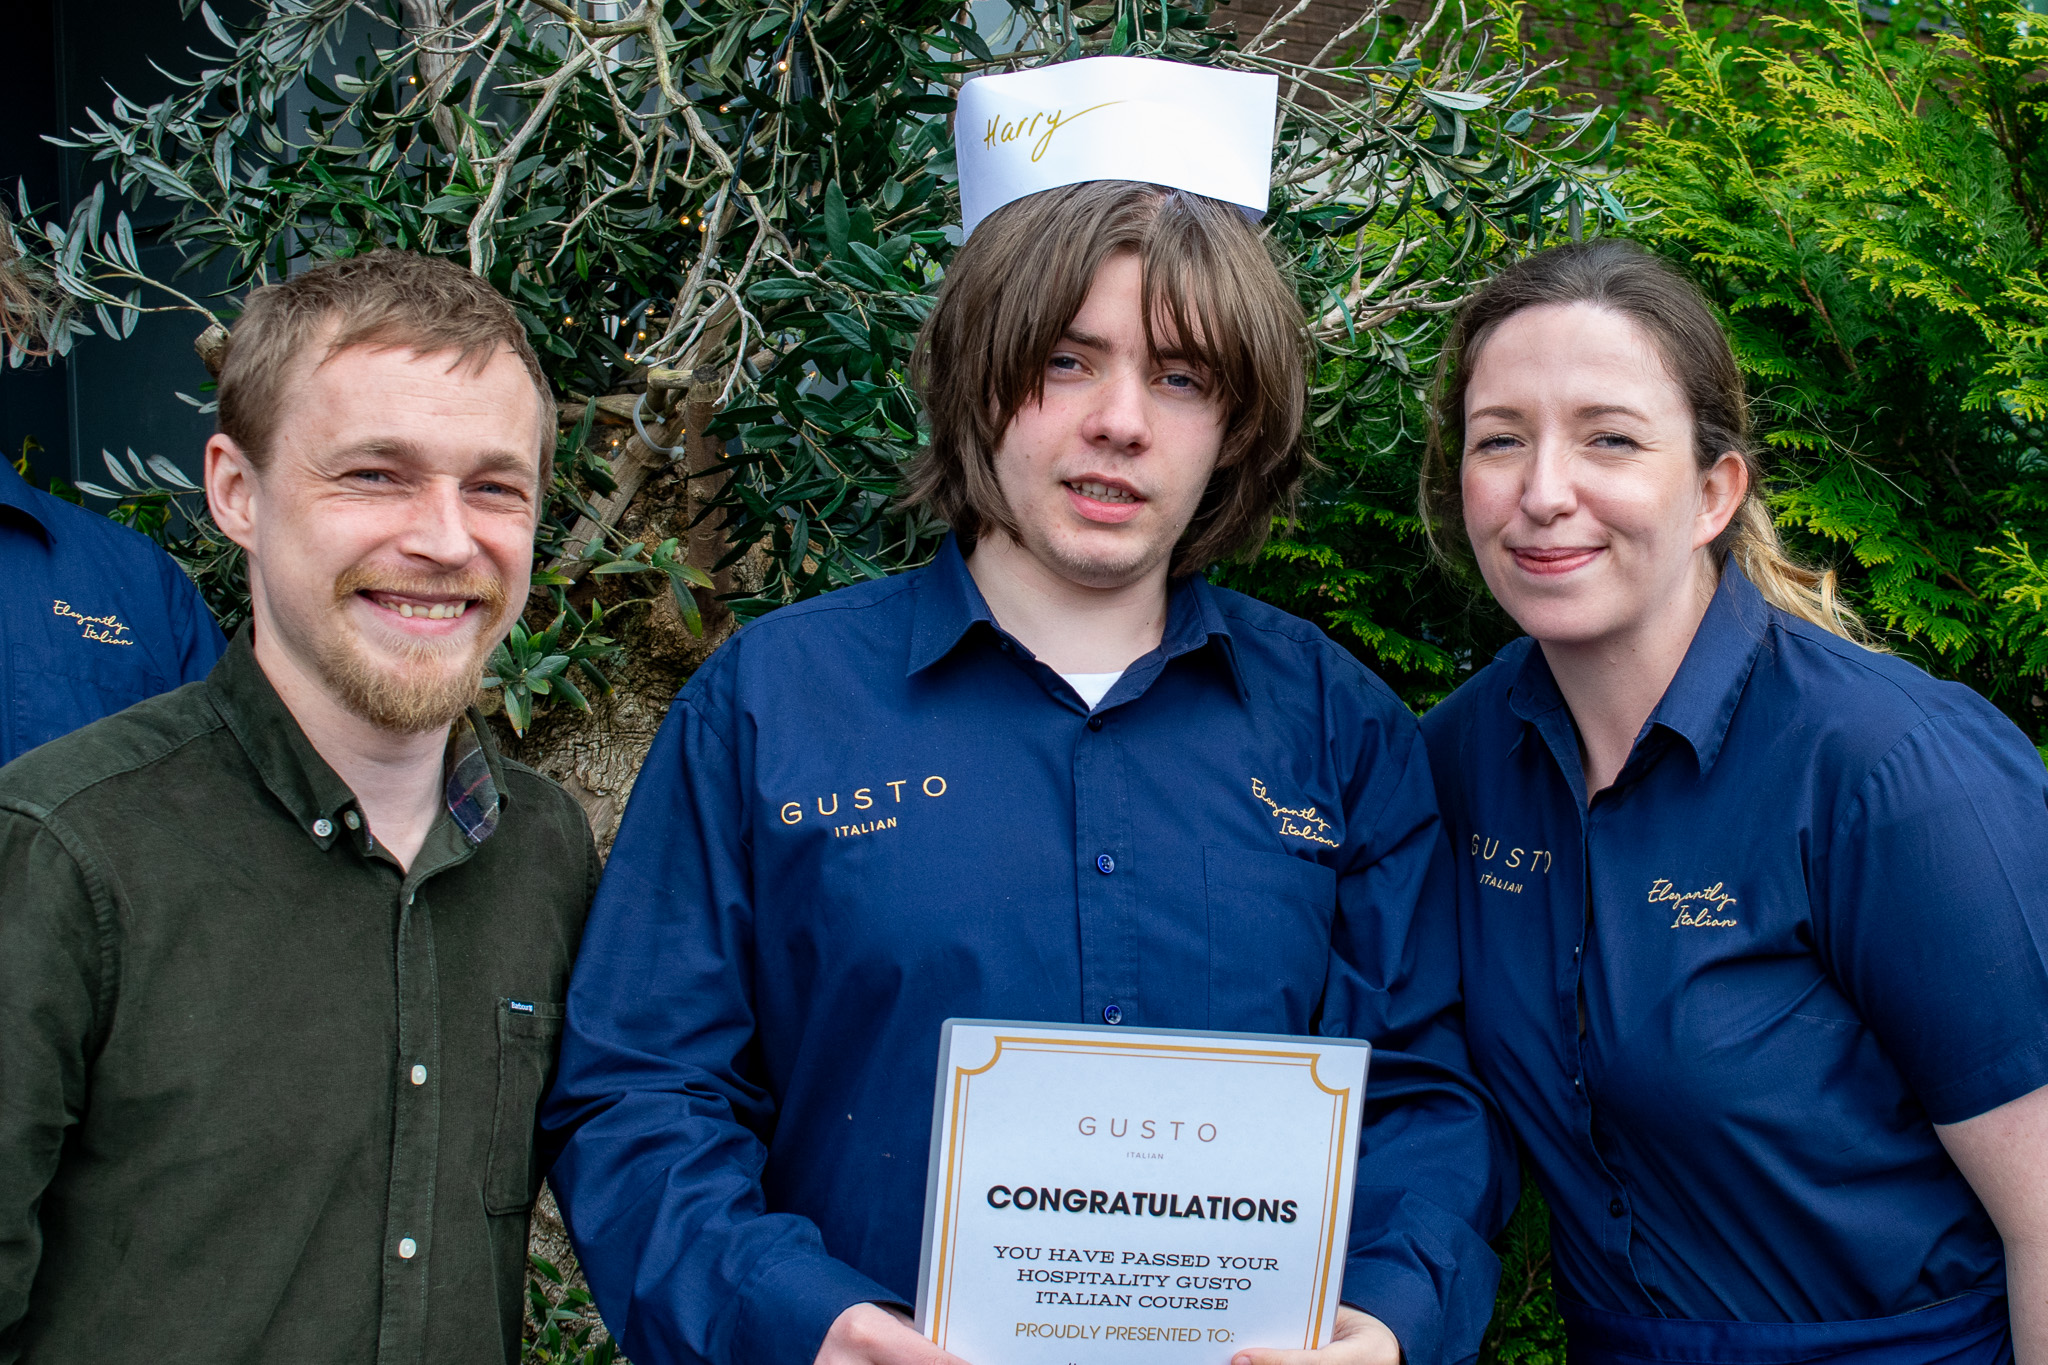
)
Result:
{"points": [[1788, 585]]}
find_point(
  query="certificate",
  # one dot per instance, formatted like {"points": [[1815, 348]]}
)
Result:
{"points": [[1118, 1194]]}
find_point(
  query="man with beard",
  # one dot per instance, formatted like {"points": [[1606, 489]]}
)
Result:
{"points": [[282, 953]]}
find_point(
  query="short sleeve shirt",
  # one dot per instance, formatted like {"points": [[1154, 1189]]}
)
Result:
{"points": [[93, 618], [1725, 1003]]}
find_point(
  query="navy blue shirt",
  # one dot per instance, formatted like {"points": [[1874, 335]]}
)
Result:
{"points": [[875, 810], [1724, 1004], [94, 618]]}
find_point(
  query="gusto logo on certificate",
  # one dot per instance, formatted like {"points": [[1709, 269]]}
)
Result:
{"points": [[1044, 1239]]}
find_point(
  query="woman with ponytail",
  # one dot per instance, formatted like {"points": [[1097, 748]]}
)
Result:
{"points": [[1754, 918]]}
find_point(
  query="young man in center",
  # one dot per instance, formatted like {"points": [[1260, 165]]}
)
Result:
{"points": [[1054, 775]]}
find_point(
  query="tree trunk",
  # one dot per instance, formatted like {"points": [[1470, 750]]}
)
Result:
{"points": [[596, 755]]}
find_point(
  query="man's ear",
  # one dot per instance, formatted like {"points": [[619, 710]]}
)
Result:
{"points": [[1722, 490], [231, 490]]}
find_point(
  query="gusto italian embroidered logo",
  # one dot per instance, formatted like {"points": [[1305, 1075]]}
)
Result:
{"points": [[864, 799], [1522, 861], [107, 629], [1300, 824], [1706, 908]]}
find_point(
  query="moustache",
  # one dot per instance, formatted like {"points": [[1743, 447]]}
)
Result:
{"points": [[482, 589]]}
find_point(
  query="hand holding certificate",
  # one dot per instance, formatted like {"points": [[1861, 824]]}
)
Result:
{"points": [[1099, 1192]]}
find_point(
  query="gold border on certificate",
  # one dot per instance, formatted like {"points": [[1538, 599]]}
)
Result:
{"points": [[956, 1100]]}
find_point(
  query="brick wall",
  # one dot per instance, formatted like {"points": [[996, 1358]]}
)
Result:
{"points": [[1305, 34], [1582, 51]]}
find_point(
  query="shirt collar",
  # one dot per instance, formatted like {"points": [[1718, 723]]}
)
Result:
{"points": [[1700, 702], [16, 492], [472, 776], [312, 791], [950, 605]]}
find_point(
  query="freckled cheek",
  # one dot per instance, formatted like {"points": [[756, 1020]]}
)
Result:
{"points": [[506, 540], [1049, 434], [1025, 462], [1631, 516], [335, 538], [1489, 501], [505, 555]]}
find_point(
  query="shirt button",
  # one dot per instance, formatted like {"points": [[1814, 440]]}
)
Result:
{"points": [[1616, 1208], [419, 1075], [352, 820], [1578, 1083], [322, 827], [1095, 722], [407, 1248], [1105, 865], [1112, 1014], [1575, 952]]}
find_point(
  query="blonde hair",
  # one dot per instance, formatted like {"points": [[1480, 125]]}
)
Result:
{"points": [[1806, 592], [1623, 278], [381, 298]]}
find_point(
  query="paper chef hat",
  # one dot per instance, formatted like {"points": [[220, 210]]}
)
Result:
{"points": [[1187, 127]]}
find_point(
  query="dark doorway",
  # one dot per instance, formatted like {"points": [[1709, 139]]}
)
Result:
{"points": [[112, 395]]}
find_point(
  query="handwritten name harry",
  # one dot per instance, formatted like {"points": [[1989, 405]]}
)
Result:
{"points": [[1013, 130]]}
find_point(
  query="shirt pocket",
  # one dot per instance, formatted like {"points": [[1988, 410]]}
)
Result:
{"points": [[54, 697], [1269, 938], [528, 1038]]}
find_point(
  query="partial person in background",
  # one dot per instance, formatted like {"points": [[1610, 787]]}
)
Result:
{"points": [[1045, 777], [282, 955], [1754, 919], [93, 618]]}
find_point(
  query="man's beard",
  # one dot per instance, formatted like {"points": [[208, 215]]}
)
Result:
{"points": [[434, 681]]}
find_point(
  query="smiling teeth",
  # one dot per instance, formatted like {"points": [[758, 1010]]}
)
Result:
{"points": [[1102, 492], [437, 612]]}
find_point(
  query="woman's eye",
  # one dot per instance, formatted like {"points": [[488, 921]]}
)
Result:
{"points": [[1185, 383], [1495, 443], [1614, 440], [1066, 364]]}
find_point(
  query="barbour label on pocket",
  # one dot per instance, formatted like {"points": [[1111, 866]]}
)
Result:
{"points": [[529, 1034]]}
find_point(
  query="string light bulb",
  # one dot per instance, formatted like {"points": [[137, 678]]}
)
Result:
{"points": [[782, 66]]}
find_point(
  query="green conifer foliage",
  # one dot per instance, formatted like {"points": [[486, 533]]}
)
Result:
{"points": [[1868, 210]]}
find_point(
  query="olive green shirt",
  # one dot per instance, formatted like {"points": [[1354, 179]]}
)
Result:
{"points": [[265, 1096]]}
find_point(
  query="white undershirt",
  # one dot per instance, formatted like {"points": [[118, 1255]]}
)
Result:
{"points": [[1093, 687]]}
